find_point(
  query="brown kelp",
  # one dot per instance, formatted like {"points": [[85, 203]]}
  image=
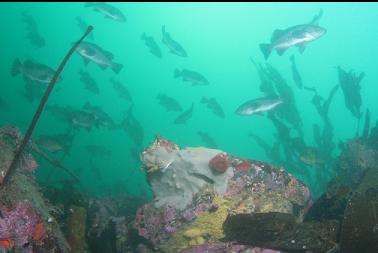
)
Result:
{"points": [[350, 84]]}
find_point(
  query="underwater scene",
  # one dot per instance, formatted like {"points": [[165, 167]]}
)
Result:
{"points": [[188, 127]]}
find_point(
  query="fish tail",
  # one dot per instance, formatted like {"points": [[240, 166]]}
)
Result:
{"points": [[266, 49], [177, 73], [116, 67], [16, 67]]}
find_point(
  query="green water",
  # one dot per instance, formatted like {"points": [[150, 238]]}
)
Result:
{"points": [[219, 39]]}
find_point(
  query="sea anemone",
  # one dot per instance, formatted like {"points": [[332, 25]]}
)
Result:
{"points": [[219, 163], [243, 165]]}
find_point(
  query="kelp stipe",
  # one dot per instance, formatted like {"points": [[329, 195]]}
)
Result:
{"points": [[33, 124]]}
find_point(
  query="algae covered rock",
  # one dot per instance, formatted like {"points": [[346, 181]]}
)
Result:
{"points": [[27, 223], [193, 197], [76, 229]]}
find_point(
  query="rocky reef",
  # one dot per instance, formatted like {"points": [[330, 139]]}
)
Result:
{"points": [[27, 221], [196, 189]]}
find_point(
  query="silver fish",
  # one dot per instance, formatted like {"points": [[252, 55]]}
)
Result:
{"points": [[207, 139], [121, 89], [83, 119], [214, 106], [102, 118], [33, 34], [185, 116], [34, 72], [90, 83], [174, 46], [152, 45], [169, 103], [108, 10], [299, 35], [258, 105], [191, 76], [91, 52]]}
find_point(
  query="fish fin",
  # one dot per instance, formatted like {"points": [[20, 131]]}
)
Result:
{"points": [[276, 34], [266, 49], [108, 55], [116, 67], [177, 73], [280, 51], [163, 30], [86, 61], [301, 48], [16, 67]]}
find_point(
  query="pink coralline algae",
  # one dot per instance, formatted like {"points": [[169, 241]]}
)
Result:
{"points": [[19, 223], [169, 229], [158, 223], [150, 223], [189, 215], [169, 214], [219, 163], [297, 192], [236, 186]]}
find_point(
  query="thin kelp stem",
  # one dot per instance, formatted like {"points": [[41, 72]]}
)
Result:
{"points": [[25, 141]]}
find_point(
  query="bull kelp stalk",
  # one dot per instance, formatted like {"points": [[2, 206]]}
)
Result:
{"points": [[12, 168]]}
